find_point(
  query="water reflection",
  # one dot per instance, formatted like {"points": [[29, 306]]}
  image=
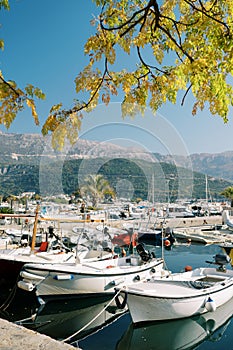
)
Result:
{"points": [[179, 334], [74, 318]]}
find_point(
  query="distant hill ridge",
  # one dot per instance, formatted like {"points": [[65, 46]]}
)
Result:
{"points": [[22, 154], [218, 165], [29, 148]]}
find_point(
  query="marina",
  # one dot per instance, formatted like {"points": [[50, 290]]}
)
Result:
{"points": [[116, 190], [67, 316], [113, 329]]}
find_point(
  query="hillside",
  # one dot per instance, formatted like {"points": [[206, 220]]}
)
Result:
{"points": [[28, 164], [217, 165]]}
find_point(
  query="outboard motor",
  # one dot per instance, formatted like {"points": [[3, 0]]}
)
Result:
{"points": [[144, 254], [222, 260]]}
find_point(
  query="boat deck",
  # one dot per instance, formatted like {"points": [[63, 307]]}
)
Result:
{"points": [[169, 288]]}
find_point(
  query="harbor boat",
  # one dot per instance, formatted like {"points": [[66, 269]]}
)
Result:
{"points": [[88, 279], [180, 295], [12, 260], [50, 250], [185, 334], [151, 236], [157, 237], [203, 234]]}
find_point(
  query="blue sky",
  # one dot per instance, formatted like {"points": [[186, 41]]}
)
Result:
{"points": [[44, 42]]}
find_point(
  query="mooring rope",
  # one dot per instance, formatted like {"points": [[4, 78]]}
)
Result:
{"points": [[90, 322], [10, 297], [30, 318]]}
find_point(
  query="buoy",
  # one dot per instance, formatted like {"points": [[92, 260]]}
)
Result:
{"points": [[188, 268], [210, 305], [167, 243]]}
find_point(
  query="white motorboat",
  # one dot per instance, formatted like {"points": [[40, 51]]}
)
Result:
{"points": [[88, 279], [180, 295], [187, 333]]}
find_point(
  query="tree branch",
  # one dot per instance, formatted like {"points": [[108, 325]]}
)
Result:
{"points": [[204, 12], [9, 86], [186, 93]]}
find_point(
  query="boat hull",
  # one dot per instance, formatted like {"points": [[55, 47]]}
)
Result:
{"points": [[86, 279]]}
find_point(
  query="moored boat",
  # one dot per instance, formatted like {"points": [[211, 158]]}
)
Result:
{"points": [[203, 235], [88, 279], [180, 295], [186, 333]]}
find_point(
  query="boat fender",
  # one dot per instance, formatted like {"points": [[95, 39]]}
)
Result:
{"points": [[167, 243], [118, 302], [28, 286], [210, 305], [188, 268]]}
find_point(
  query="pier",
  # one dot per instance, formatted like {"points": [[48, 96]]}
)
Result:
{"points": [[17, 337]]}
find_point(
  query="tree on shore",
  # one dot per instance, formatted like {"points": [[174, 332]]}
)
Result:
{"points": [[176, 47], [96, 187], [228, 193]]}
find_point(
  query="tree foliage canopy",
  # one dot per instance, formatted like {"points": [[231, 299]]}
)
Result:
{"points": [[228, 193], [96, 187], [175, 47]]}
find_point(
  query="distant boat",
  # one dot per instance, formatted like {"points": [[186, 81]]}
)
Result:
{"points": [[203, 234], [226, 219], [180, 295]]}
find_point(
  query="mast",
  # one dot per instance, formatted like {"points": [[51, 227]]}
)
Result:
{"points": [[206, 189], [35, 229]]}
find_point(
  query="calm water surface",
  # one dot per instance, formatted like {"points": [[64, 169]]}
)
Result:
{"points": [[113, 330]]}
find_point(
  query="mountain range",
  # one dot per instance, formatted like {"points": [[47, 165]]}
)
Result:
{"points": [[31, 148], [24, 154]]}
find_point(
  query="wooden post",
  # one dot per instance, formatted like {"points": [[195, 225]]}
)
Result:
{"points": [[35, 229]]}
